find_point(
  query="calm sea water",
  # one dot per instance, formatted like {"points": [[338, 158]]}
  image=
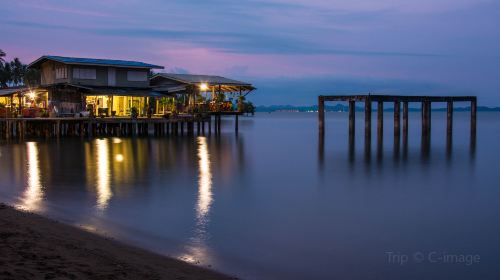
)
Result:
{"points": [[274, 202]]}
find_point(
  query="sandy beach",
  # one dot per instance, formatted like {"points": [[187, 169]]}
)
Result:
{"points": [[34, 247]]}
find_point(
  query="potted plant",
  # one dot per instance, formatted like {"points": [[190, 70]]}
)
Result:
{"points": [[241, 103], [249, 108], [90, 109], [3, 110], [44, 113], [134, 113]]}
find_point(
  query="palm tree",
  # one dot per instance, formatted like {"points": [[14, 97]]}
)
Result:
{"points": [[2, 55], [15, 73], [5, 75], [18, 70], [31, 77]]}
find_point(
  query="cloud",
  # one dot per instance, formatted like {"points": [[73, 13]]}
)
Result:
{"points": [[178, 70], [227, 41], [304, 91], [448, 42]]}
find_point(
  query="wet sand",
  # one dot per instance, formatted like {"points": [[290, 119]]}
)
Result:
{"points": [[34, 247]]}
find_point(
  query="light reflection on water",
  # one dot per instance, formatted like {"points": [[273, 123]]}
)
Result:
{"points": [[205, 185], [32, 197], [104, 192], [197, 250], [276, 201]]}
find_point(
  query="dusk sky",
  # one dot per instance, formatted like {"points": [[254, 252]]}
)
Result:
{"points": [[291, 50]]}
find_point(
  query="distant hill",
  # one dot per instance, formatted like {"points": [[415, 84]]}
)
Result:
{"points": [[345, 108]]}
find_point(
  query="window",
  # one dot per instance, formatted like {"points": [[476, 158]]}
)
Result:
{"points": [[61, 72], [137, 76], [84, 73]]}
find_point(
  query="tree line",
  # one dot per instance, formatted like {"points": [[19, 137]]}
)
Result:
{"points": [[14, 73]]}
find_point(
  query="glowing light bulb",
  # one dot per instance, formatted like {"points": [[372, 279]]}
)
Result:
{"points": [[203, 87], [119, 157], [31, 95]]}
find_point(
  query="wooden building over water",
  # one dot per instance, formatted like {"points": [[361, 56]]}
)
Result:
{"points": [[71, 86], [74, 91], [100, 86], [203, 93]]}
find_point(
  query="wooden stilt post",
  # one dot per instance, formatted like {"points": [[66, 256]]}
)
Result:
{"points": [[449, 129], [397, 118], [321, 150], [219, 123], [209, 124], [426, 128], [397, 128], [380, 119], [8, 132], [425, 117], [352, 118], [405, 120], [380, 130], [89, 129], [473, 116], [352, 147], [429, 114], [368, 128], [58, 128], [236, 123], [368, 117], [24, 130], [405, 129], [215, 124], [321, 114], [449, 117]]}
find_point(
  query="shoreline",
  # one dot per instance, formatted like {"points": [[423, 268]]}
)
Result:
{"points": [[36, 247]]}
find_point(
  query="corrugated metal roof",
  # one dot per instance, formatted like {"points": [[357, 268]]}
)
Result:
{"points": [[95, 61], [171, 89], [197, 79], [9, 91]]}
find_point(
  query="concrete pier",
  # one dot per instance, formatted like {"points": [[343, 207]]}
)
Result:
{"points": [[426, 102]]}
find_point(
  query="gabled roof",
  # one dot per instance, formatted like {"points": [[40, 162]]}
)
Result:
{"points": [[93, 61], [198, 79]]}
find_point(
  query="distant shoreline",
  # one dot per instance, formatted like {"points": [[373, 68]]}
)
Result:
{"points": [[344, 108], [34, 247]]}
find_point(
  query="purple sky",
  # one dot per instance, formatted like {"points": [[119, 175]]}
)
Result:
{"points": [[291, 50]]}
